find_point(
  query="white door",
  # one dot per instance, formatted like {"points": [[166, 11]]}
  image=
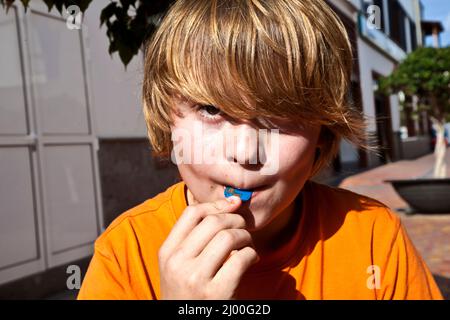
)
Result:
{"points": [[49, 191]]}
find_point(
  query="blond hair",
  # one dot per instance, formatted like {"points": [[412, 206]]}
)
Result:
{"points": [[288, 59]]}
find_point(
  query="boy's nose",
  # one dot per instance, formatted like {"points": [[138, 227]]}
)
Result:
{"points": [[243, 146]]}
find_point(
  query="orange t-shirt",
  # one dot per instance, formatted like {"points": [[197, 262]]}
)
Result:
{"points": [[346, 246]]}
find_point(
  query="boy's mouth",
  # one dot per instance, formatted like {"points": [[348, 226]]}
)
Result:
{"points": [[251, 189], [244, 193]]}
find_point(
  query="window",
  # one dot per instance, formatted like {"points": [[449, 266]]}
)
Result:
{"points": [[413, 35], [397, 24]]}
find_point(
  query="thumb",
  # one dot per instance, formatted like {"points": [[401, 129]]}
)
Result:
{"points": [[227, 205]]}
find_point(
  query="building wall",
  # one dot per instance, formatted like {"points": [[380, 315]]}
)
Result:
{"points": [[347, 10], [381, 58], [128, 173], [116, 91], [373, 61], [410, 7]]}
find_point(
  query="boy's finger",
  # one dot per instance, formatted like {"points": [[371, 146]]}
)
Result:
{"points": [[219, 248], [237, 264], [193, 215], [206, 230]]}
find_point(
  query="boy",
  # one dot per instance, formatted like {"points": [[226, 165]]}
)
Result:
{"points": [[250, 96]]}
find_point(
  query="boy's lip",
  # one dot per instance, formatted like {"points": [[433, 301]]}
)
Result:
{"points": [[246, 188]]}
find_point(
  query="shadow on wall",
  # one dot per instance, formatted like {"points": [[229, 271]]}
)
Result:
{"points": [[443, 284], [50, 284], [129, 175]]}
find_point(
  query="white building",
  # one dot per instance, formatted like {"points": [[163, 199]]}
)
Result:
{"points": [[387, 30], [73, 146]]}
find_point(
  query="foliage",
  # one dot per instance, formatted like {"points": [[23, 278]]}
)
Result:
{"points": [[129, 22], [425, 73]]}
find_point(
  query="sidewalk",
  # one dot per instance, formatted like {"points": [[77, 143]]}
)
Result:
{"points": [[429, 233]]}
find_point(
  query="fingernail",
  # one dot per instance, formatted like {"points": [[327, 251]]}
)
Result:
{"points": [[233, 199]]}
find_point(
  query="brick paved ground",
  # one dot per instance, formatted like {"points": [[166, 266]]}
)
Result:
{"points": [[429, 233]]}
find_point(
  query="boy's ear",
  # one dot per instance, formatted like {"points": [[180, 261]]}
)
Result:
{"points": [[317, 154], [321, 140], [319, 145]]}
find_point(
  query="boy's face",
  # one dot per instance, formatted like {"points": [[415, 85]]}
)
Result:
{"points": [[209, 160]]}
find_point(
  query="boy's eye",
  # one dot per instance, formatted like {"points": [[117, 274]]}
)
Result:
{"points": [[209, 112]]}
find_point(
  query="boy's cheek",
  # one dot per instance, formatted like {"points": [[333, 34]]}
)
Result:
{"points": [[207, 161], [200, 184], [209, 150], [295, 151]]}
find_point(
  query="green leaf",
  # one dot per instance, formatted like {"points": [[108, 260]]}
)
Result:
{"points": [[84, 4], [424, 73], [49, 4], [107, 12]]}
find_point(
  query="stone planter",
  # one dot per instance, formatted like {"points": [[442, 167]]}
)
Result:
{"points": [[425, 195]]}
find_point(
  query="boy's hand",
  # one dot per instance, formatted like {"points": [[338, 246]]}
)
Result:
{"points": [[193, 260]]}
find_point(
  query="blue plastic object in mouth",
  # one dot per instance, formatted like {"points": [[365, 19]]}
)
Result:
{"points": [[245, 195]]}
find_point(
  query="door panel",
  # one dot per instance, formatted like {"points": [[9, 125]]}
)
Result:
{"points": [[18, 223], [50, 207], [58, 76], [12, 101], [70, 196], [21, 229]]}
